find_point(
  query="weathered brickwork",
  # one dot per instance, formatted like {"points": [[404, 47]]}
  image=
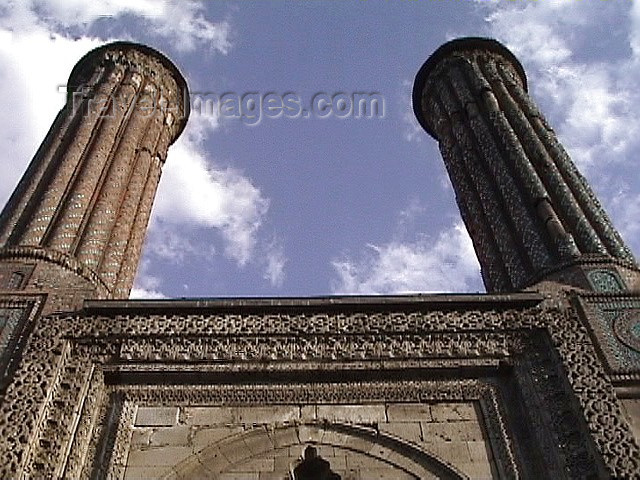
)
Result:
{"points": [[83, 205], [536, 383]]}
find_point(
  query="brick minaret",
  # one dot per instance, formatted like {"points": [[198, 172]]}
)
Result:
{"points": [[531, 214], [75, 225]]}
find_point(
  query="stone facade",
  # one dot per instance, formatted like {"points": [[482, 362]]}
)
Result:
{"points": [[540, 378]]}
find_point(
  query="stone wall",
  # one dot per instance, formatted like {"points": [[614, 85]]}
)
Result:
{"points": [[631, 409], [267, 442]]}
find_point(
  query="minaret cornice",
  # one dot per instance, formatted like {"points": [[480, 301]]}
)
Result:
{"points": [[156, 69], [468, 48]]}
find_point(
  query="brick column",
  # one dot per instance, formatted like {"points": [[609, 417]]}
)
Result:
{"points": [[527, 209], [88, 191]]}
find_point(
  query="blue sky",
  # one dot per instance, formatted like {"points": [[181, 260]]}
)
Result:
{"points": [[316, 206]]}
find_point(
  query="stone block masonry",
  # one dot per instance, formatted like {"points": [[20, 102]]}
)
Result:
{"points": [[254, 441]]}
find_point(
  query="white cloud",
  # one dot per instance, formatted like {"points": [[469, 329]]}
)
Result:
{"points": [[171, 245], [146, 285], [592, 103], [199, 202], [446, 264], [194, 192], [409, 218], [412, 131], [183, 22], [275, 262], [634, 36], [534, 38], [78, 12], [141, 293], [30, 98]]}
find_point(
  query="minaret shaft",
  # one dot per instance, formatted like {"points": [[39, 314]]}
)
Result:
{"points": [[89, 179], [83, 205], [528, 210], [95, 231]]}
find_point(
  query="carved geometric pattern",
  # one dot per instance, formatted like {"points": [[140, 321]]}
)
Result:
{"points": [[605, 281], [614, 321], [327, 347], [627, 329]]}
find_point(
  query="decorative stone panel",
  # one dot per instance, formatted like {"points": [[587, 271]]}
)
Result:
{"points": [[614, 322]]}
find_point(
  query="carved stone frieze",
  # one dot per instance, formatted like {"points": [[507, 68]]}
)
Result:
{"points": [[327, 347], [68, 359]]}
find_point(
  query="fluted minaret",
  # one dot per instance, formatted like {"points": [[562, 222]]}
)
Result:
{"points": [[77, 219], [529, 211]]}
